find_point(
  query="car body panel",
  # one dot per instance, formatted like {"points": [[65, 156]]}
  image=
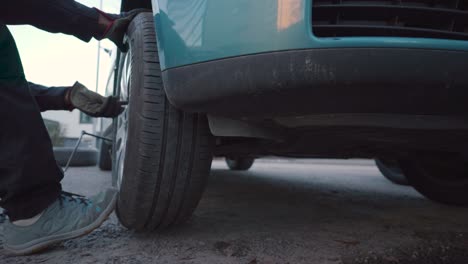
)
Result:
{"points": [[194, 31], [325, 81]]}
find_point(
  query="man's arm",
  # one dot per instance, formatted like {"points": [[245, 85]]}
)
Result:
{"points": [[64, 16], [50, 98], [76, 96], [68, 17]]}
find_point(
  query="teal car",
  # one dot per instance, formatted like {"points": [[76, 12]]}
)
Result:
{"points": [[295, 78]]}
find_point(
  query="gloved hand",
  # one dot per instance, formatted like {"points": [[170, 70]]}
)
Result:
{"points": [[118, 24], [91, 103]]}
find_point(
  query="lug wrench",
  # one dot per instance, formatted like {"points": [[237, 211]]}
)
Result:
{"points": [[78, 144]]}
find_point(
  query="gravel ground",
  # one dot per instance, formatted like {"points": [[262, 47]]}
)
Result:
{"points": [[280, 212]]}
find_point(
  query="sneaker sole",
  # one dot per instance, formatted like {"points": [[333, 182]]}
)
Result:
{"points": [[44, 243]]}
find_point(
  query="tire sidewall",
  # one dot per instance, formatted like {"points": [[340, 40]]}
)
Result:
{"points": [[448, 194], [390, 173]]}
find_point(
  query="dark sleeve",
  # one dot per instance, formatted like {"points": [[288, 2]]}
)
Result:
{"points": [[56, 16], [49, 98]]}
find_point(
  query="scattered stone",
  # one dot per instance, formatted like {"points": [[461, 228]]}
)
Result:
{"points": [[233, 249]]}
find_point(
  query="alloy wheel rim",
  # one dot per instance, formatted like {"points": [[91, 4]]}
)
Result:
{"points": [[122, 119]]}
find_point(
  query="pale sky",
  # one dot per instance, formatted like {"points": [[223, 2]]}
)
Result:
{"points": [[58, 59]]}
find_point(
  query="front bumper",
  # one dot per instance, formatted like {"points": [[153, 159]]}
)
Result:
{"points": [[191, 32], [325, 81]]}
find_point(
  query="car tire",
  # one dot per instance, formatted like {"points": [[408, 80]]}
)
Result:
{"points": [[239, 164], [391, 171], [162, 155], [105, 151], [82, 156], [441, 178]]}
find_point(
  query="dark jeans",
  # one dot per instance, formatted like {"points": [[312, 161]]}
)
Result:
{"points": [[29, 175]]}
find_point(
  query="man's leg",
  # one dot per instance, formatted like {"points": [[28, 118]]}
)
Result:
{"points": [[40, 214], [29, 175]]}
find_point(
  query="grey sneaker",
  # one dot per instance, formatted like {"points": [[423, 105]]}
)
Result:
{"points": [[69, 217]]}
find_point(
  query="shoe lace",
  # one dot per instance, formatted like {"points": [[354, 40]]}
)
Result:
{"points": [[73, 197]]}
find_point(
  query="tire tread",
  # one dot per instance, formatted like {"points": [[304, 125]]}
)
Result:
{"points": [[171, 152]]}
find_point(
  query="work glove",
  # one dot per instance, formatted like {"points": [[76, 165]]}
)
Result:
{"points": [[91, 103], [118, 27]]}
